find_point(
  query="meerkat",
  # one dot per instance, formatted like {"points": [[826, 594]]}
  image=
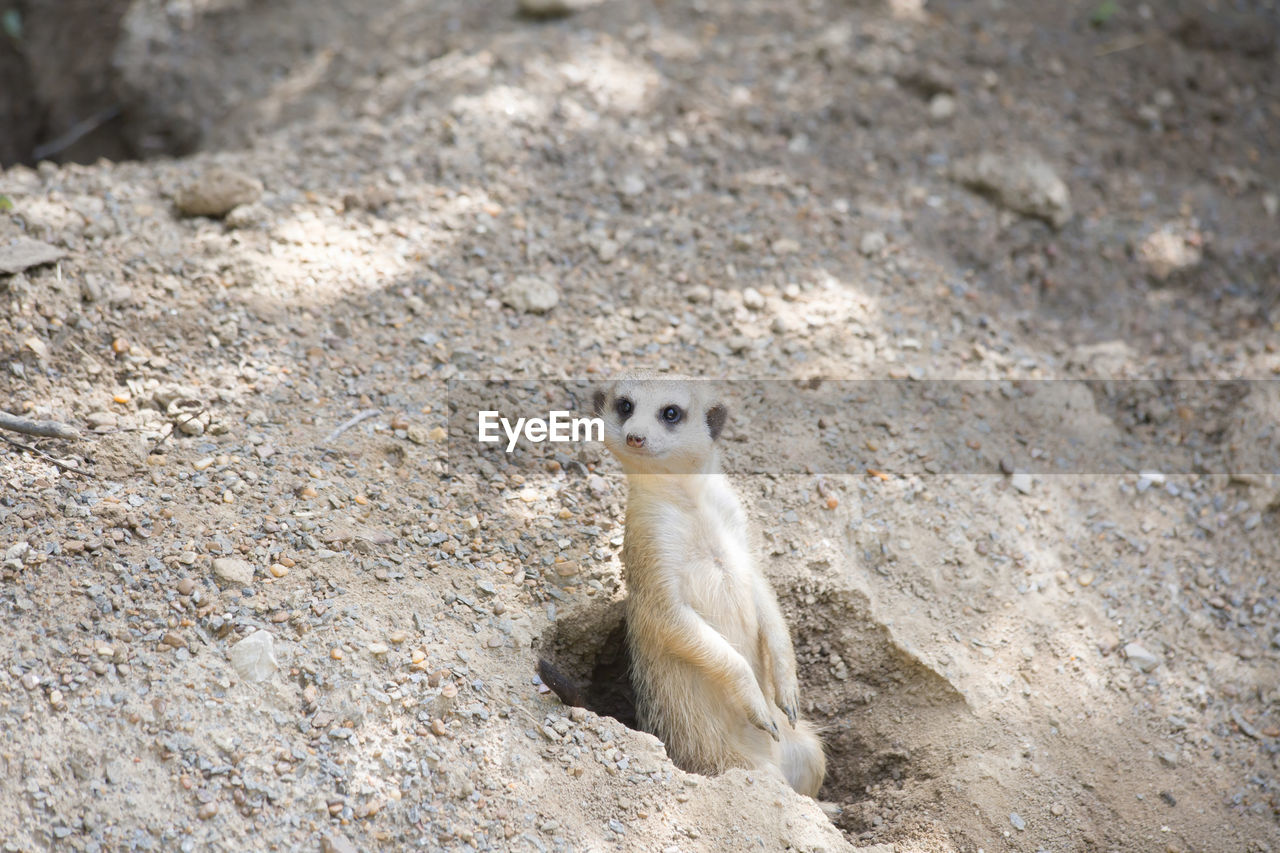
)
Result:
{"points": [[713, 667]]}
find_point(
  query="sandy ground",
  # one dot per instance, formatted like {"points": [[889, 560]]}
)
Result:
{"points": [[747, 190]]}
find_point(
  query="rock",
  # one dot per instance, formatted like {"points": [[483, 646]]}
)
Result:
{"points": [[606, 250], [1167, 250], [698, 294], [217, 192], [37, 346], [254, 657], [753, 299], [1017, 821], [872, 243], [15, 554], [530, 295], [207, 810], [1021, 481], [337, 843], [632, 185], [544, 9], [1142, 660], [23, 252], [1022, 182], [1147, 479], [232, 572], [251, 215], [1244, 725], [99, 421], [785, 246], [942, 108]]}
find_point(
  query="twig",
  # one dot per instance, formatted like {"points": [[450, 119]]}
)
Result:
{"points": [[79, 130], [348, 424], [1121, 44], [48, 429], [64, 466]]}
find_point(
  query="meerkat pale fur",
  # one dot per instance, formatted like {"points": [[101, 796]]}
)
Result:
{"points": [[712, 662]]}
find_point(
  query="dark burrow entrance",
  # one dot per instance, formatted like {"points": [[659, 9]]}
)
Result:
{"points": [[876, 703], [63, 95]]}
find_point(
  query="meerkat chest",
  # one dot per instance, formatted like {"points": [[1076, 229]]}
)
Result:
{"points": [[719, 577], [699, 553]]}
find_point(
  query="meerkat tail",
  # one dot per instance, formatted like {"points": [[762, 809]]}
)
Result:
{"points": [[804, 764], [569, 691]]}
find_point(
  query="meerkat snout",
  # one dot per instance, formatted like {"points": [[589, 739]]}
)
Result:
{"points": [[634, 440]]}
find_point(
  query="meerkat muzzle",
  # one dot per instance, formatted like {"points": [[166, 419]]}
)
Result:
{"points": [[634, 440]]}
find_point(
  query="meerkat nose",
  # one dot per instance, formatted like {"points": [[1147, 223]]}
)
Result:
{"points": [[634, 440]]}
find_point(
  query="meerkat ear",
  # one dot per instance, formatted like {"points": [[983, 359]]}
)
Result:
{"points": [[597, 401], [716, 417]]}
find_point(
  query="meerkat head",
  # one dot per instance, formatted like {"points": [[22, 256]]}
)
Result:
{"points": [[660, 426]]}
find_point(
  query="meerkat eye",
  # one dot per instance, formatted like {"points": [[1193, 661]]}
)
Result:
{"points": [[623, 406], [672, 414]]}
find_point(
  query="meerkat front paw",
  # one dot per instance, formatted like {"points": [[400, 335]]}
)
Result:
{"points": [[757, 711], [759, 717], [789, 701], [787, 692]]}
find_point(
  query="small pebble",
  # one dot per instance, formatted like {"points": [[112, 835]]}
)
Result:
{"points": [[942, 108], [872, 243], [1140, 658]]}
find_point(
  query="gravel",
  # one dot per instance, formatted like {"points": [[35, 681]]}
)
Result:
{"points": [[285, 645]]}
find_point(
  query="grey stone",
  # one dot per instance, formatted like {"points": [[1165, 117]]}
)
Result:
{"points": [[531, 295], [24, 252], [217, 192], [232, 572], [1140, 658], [254, 657], [1022, 182]]}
